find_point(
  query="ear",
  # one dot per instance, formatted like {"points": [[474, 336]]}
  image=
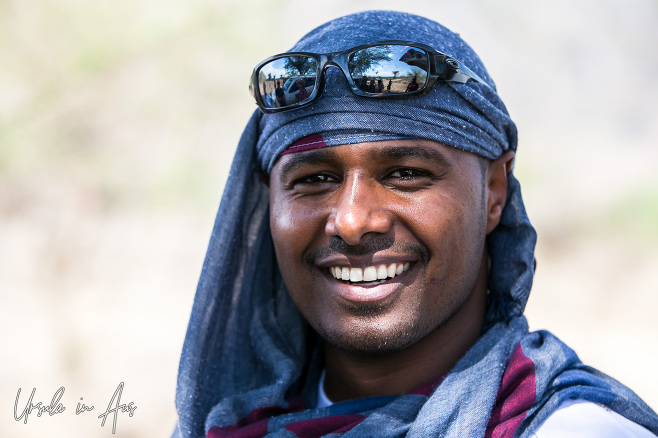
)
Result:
{"points": [[497, 188]]}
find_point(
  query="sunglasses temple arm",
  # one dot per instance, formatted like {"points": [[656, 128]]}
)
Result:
{"points": [[464, 74]]}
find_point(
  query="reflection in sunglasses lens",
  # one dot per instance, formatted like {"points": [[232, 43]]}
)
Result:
{"points": [[389, 69], [287, 81]]}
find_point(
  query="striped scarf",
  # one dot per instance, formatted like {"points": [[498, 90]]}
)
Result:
{"points": [[540, 374]]}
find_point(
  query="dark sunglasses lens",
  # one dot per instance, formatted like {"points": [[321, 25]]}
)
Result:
{"points": [[389, 69], [286, 81]]}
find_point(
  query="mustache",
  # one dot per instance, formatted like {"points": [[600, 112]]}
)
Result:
{"points": [[368, 245]]}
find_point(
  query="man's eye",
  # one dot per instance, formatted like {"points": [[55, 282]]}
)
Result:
{"points": [[313, 184], [408, 179], [408, 174], [314, 179]]}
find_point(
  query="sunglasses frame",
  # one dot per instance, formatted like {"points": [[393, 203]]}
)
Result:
{"points": [[442, 67]]}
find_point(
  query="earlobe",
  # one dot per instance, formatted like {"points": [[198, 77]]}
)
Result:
{"points": [[497, 188]]}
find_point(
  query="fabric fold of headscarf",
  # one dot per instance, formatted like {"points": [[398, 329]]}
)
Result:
{"points": [[250, 364]]}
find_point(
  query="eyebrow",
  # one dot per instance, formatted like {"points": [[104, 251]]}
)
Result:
{"points": [[316, 156], [325, 155], [422, 152]]}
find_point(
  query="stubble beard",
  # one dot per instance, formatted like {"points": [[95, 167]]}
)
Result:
{"points": [[373, 335]]}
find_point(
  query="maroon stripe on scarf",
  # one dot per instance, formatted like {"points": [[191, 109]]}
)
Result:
{"points": [[317, 427], [254, 430], [313, 141], [516, 395], [254, 425]]}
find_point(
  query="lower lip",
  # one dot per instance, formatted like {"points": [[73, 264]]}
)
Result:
{"points": [[366, 294]]}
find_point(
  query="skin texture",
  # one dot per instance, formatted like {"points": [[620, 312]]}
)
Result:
{"points": [[394, 201]]}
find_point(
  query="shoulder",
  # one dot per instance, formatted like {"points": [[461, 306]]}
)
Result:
{"points": [[584, 419]]}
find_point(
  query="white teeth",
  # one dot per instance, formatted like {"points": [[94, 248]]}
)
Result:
{"points": [[345, 274], [381, 272], [370, 273], [356, 274]]}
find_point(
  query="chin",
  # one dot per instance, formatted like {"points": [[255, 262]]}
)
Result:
{"points": [[373, 338]]}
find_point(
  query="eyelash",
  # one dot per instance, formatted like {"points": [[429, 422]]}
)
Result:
{"points": [[415, 174], [313, 179]]}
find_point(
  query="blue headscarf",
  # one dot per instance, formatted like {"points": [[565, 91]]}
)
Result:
{"points": [[247, 347]]}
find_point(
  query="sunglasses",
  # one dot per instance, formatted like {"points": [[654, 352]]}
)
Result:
{"points": [[385, 69]]}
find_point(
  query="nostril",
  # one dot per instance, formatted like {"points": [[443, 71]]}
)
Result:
{"points": [[358, 210], [352, 225]]}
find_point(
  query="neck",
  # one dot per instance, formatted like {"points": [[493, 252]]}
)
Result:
{"points": [[353, 375]]}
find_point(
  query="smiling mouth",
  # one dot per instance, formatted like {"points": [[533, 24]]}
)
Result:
{"points": [[370, 275]]}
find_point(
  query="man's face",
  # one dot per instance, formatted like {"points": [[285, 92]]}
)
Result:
{"points": [[401, 223]]}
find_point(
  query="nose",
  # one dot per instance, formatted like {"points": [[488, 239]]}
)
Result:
{"points": [[360, 209]]}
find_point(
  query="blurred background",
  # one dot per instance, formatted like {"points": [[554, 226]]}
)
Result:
{"points": [[118, 122]]}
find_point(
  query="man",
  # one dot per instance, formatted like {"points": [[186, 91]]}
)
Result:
{"points": [[280, 94], [371, 261]]}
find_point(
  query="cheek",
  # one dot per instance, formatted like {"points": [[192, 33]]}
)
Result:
{"points": [[452, 226], [281, 218], [294, 229], [290, 224], [282, 225], [436, 218]]}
